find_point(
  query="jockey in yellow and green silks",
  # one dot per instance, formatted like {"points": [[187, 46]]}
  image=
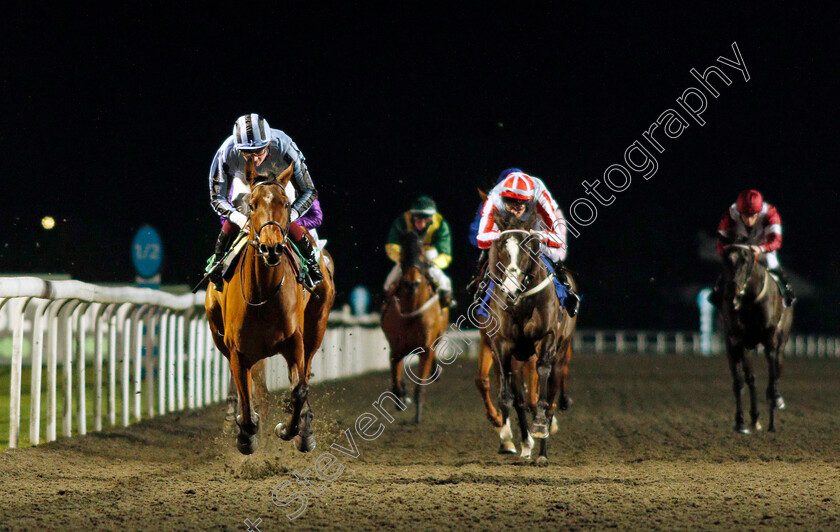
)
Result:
{"points": [[423, 219]]}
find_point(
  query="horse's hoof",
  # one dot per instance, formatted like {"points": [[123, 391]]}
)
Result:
{"points": [[247, 445], [539, 431], [756, 426], [740, 429], [304, 445], [527, 446], [407, 400], [542, 461], [565, 403], [507, 447], [554, 425], [229, 427], [282, 432], [780, 403]]}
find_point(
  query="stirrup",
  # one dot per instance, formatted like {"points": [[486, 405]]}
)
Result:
{"points": [[572, 304]]}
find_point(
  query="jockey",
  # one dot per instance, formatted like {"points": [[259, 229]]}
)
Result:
{"points": [[751, 217], [423, 219], [272, 152], [525, 196]]}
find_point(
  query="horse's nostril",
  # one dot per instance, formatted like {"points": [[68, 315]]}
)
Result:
{"points": [[263, 248], [278, 248]]}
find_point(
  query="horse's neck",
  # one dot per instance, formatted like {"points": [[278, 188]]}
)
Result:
{"points": [[260, 279]]}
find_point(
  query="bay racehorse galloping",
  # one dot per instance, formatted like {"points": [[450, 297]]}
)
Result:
{"points": [[753, 315], [412, 320], [531, 324], [263, 311]]}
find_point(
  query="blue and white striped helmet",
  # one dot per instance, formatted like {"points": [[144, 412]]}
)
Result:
{"points": [[251, 132]]}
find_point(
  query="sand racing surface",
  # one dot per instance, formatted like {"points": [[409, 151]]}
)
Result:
{"points": [[647, 443]]}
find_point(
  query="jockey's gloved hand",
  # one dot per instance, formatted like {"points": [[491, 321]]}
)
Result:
{"points": [[293, 215]]}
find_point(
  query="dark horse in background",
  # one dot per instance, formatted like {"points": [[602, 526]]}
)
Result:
{"points": [[412, 319], [531, 324], [753, 315], [263, 311]]}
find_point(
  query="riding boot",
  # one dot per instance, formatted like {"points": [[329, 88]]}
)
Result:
{"points": [[446, 300], [716, 297], [572, 302], [787, 289], [222, 244], [478, 274], [314, 275]]}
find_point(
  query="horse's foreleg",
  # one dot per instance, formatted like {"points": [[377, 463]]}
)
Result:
{"points": [[736, 356], [749, 379], [246, 441], [774, 398], [232, 402], [506, 445], [482, 382], [427, 360], [300, 405], [540, 428], [397, 386], [518, 389]]}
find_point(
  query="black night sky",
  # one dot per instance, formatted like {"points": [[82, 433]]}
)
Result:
{"points": [[110, 119]]}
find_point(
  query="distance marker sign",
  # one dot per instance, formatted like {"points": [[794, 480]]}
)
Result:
{"points": [[147, 252]]}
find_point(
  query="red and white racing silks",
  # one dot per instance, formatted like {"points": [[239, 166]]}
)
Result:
{"points": [[550, 222], [767, 230]]}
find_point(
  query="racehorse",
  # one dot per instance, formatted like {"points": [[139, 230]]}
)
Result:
{"points": [[412, 320], [262, 311], [532, 327], [753, 314]]}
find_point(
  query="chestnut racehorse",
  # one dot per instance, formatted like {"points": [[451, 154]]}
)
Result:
{"points": [[412, 320], [533, 329], [263, 311]]}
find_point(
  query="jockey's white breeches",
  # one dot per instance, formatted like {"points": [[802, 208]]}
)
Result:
{"points": [[555, 254], [770, 260], [442, 280]]}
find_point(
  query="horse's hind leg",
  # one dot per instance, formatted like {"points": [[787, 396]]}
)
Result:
{"points": [[482, 381], [246, 440], [232, 403], [518, 389]]}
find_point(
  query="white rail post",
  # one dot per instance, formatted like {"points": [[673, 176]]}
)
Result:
{"points": [[199, 364], [38, 320], [162, 362], [17, 369], [191, 342], [67, 337], [137, 320], [116, 329], [100, 314], [80, 320], [152, 317], [179, 357], [52, 368], [171, 361], [208, 374]]}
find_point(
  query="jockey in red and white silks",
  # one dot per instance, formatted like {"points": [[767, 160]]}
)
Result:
{"points": [[752, 218], [537, 200]]}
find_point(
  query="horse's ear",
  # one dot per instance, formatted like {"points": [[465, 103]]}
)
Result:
{"points": [[482, 194], [286, 175], [250, 171], [503, 220]]}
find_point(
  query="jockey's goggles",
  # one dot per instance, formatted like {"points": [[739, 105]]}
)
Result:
{"points": [[253, 153], [514, 202]]}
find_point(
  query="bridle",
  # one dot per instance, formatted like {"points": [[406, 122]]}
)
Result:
{"points": [[742, 290], [520, 292], [263, 250]]}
